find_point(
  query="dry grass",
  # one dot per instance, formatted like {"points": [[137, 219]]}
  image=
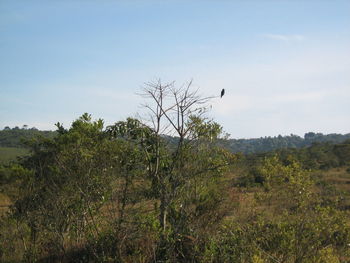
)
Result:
{"points": [[8, 154], [5, 203]]}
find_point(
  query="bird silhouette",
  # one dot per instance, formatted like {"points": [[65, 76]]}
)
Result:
{"points": [[222, 93]]}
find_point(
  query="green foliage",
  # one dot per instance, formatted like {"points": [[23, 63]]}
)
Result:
{"points": [[294, 229], [15, 136], [10, 174], [10, 179], [203, 129], [66, 184], [232, 243]]}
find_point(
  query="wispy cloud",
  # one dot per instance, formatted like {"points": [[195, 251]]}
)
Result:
{"points": [[285, 38]]}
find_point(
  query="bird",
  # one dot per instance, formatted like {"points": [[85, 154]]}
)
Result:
{"points": [[222, 93]]}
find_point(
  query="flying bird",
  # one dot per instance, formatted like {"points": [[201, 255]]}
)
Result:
{"points": [[222, 93]]}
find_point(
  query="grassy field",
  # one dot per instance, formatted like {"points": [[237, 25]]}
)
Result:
{"points": [[239, 204], [8, 154]]}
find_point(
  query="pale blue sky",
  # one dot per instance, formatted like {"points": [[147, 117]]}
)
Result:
{"points": [[285, 65]]}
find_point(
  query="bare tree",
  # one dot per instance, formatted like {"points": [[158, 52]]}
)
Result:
{"points": [[171, 114], [177, 112], [173, 107]]}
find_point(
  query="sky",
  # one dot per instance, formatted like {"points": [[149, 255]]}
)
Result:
{"points": [[285, 65]]}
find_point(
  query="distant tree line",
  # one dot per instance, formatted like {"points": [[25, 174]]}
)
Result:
{"points": [[15, 136], [318, 156], [268, 144]]}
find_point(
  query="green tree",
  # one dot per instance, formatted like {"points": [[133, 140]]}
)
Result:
{"points": [[67, 184]]}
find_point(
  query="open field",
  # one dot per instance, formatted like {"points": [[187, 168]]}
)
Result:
{"points": [[8, 154]]}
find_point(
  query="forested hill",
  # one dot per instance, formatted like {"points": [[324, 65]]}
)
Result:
{"points": [[12, 137], [267, 144]]}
